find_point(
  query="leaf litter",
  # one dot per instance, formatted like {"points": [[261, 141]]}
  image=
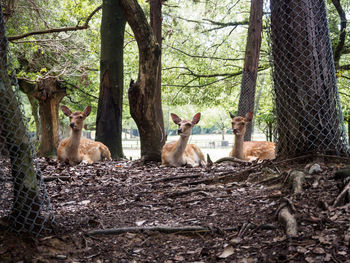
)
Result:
{"points": [[221, 213]]}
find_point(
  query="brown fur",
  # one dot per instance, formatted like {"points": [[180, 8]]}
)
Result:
{"points": [[76, 148], [180, 153], [249, 150]]}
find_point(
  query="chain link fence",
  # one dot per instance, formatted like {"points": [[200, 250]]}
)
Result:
{"points": [[308, 110], [24, 204]]}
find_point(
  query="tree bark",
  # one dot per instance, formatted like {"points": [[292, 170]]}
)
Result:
{"points": [[144, 98], [28, 88], [25, 214], [156, 24], [49, 93], [309, 118], [251, 61], [110, 104], [342, 34]]}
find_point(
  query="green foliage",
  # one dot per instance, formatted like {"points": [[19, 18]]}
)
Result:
{"points": [[201, 58]]}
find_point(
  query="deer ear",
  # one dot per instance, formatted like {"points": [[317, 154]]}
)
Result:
{"points": [[66, 111], [249, 117], [196, 118], [87, 111], [176, 119], [231, 115]]}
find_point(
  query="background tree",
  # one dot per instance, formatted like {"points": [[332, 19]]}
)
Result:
{"points": [[109, 114], [309, 119], [145, 105], [251, 61], [46, 61]]}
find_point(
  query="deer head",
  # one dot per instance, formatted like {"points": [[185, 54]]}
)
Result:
{"points": [[76, 119], [239, 123], [185, 127]]}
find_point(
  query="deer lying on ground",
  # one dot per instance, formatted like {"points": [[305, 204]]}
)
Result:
{"points": [[180, 153], [76, 148], [249, 150]]}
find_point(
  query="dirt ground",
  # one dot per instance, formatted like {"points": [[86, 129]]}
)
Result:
{"points": [[226, 212]]}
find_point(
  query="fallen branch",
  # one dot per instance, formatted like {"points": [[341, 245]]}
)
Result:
{"points": [[170, 229], [225, 177], [52, 178], [173, 178], [189, 191], [162, 229], [230, 159]]}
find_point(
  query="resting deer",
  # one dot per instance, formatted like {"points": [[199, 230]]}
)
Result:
{"points": [[249, 150], [180, 153], [76, 148]]}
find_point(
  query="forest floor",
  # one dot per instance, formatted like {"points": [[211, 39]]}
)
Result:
{"points": [[225, 212]]}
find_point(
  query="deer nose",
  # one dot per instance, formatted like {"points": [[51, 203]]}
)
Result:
{"points": [[235, 130], [71, 124], [179, 131]]}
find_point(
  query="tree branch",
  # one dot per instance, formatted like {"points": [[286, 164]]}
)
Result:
{"points": [[56, 30], [206, 57], [340, 46]]}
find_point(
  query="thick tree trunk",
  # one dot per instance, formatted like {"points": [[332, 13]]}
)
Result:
{"points": [[144, 98], [49, 93], [25, 213], [309, 118], [110, 104], [251, 61]]}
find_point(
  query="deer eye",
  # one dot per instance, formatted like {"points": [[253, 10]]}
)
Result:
{"points": [[80, 117]]}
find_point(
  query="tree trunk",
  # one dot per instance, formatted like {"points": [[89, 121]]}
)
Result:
{"points": [[144, 98], [309, 118], [49, 93], [29, 89], [251, 60], [156, 24], [25, 213], [110, 104]]}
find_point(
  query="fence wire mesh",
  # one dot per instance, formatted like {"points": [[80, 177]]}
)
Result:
{"points": [[24, 203], [308, 110]]}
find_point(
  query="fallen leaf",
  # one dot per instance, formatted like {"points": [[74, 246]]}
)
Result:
{"points": [[228, 251], [235, 241], [140, 223], [319, 250]]}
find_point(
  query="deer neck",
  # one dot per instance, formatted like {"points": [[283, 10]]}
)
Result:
{"points": [[74, 141], [238, 147], [181, 146]]}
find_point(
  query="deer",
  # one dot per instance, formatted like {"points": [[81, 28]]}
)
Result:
{"points": [[180, 153], [76, 149], [249, 150]]}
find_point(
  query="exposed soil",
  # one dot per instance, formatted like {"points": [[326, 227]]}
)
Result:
{"points": [[234, 206]]}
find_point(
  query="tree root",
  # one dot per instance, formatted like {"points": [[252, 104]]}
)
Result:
{"points": [[288, 219], [295, 181], [343, 197]]}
